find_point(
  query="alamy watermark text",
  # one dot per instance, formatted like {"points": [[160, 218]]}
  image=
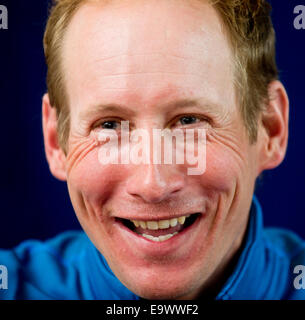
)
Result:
{"points": [[3, 277], [3, 17], [141, 146], [299, 280], [299, 21]]}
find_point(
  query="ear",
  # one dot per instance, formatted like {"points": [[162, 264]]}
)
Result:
{"points": [[273, 128], [55, 155]]}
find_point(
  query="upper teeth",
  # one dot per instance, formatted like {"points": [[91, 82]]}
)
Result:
{"points": [[161, 224]]}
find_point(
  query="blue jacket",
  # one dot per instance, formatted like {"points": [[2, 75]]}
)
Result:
{"points": [[70, 267]]}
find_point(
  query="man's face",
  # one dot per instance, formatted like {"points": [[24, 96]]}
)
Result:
{"points": [[142, 57]]}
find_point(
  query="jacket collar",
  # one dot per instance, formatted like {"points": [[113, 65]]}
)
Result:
{"points": [[252, 274]]}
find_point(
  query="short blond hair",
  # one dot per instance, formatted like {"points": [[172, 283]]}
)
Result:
{"points": [[251, 35]]}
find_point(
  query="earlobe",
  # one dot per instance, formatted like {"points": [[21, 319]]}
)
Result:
{"points": [[273, 133], [55, 155]]}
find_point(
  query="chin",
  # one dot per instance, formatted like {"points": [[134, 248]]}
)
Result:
{"points": [[157, 286], [161, 292]]}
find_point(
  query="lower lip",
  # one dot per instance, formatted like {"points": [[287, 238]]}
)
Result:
{"points": [[164, 247]]}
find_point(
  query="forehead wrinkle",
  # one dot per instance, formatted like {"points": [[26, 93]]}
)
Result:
{"points": [[152, 63]]}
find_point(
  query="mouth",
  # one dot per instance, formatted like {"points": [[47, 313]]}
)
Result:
{"points": [[160, 230]]}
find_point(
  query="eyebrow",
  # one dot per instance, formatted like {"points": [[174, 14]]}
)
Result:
{"points": [[184, 103], [117, 108], [208, 106], [110, 107]]}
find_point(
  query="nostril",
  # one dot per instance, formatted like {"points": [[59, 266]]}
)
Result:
{"points": [[155, 183], [176, 191]]}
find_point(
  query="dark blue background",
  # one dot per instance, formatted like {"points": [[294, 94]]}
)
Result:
{"points": [[35, 205]]}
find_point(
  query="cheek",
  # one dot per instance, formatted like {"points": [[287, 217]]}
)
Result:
{"points": [[93, 181], [224, 168]]}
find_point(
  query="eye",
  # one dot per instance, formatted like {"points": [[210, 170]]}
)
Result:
{"points": [[186, 120], [110, 125], [191, 121]]}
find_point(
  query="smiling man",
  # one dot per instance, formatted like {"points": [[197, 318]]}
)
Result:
{"points": [[152, 230]]}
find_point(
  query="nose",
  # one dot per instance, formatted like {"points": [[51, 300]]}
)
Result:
{"points": [[155, 183]]}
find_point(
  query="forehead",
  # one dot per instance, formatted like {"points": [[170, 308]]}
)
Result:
{"points": [[159, 47]]}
